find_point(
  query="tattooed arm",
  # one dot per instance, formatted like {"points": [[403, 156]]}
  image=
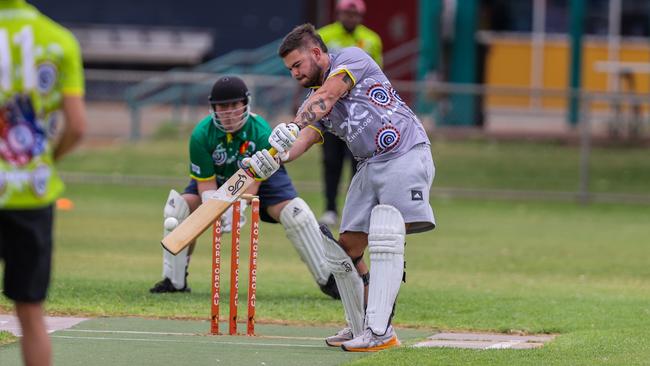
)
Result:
{"points": [[320, 103], [307, 138], [317, 106]]}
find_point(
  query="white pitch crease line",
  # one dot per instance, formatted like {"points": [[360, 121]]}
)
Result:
{"points": [[129, 332], [181, 334], [201, 342]]}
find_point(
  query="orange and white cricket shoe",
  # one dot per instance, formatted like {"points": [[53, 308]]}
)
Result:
{"points": [[371, 342]]}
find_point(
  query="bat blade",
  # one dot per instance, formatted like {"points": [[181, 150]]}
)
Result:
{"points": [[196, 223]]}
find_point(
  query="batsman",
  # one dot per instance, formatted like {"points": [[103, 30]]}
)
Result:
{"points": [[389, 195], [225, 137]]}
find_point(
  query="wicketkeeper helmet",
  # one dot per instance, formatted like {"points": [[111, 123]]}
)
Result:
{"points": [[230, 89]]}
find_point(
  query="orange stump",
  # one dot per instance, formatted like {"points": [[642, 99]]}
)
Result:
{"points": [[252, 266], [216, 276], [234, 268]]}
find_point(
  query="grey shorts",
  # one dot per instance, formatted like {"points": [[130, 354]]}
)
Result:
{"points": [[403, 182]]}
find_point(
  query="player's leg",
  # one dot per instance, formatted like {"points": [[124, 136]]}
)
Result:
{"points": [[26, 248], [350, 285], [280, 203], [401, 201], [35, 343], [174, 272], [355, 221], [410, 195], [386, 249], [354, 244], [345, 257]]}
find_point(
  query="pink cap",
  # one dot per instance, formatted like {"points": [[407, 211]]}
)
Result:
{"points": [[356, 5]]}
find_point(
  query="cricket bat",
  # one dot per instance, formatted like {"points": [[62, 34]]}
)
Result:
{"points": [[196, 223]]}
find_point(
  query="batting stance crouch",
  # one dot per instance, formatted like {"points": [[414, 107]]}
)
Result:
{"points": [[218, 143], [389, 195]]}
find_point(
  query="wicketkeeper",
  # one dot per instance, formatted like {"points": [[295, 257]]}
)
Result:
{"points": [[389, 195], [218, 143]]}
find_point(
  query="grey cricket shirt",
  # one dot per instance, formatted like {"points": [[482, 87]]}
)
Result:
{"points": [[371, 118]]}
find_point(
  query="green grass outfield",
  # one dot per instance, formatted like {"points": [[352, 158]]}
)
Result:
{"points": [[581, 272], [468, 164]]}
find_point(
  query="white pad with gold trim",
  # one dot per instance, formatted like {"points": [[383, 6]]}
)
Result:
{"points": [[302, 230], [175, 266], [386, 248], [348, 281]]}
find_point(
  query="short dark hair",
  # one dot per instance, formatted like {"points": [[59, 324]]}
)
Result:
{"points": [[299, 37]]}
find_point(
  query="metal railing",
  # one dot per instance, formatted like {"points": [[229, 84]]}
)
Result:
{"points": [[277, 97], [186, 86]]}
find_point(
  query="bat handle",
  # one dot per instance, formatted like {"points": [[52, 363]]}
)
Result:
{"points": [[273, 151]]}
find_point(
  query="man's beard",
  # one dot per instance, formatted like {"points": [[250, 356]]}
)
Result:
{"points": [[314, 79]]}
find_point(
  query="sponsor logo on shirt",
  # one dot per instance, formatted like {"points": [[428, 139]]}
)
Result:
{"points": [[247, 148], [219, 155], [356, 114], [21, 179], [195, 168]]}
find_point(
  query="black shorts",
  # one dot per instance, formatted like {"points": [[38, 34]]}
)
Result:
{"points": [[278, 188], [26, 249]]}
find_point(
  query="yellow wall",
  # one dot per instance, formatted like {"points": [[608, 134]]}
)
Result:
{"points": [[509, 64]]}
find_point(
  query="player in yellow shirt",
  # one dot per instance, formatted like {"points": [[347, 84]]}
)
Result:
{"points": [[40, 74], [347, 31]]}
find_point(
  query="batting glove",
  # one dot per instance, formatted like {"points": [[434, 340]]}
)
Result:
{"points": [[262, 165], [283, 136]]}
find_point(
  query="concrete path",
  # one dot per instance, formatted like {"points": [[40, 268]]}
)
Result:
{"points": [[9, 323], [485, 341]]}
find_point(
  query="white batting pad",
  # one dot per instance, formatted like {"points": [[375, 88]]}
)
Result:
{"points": [[348, 281], [301, 228], [386, 248], [174, 266]]}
